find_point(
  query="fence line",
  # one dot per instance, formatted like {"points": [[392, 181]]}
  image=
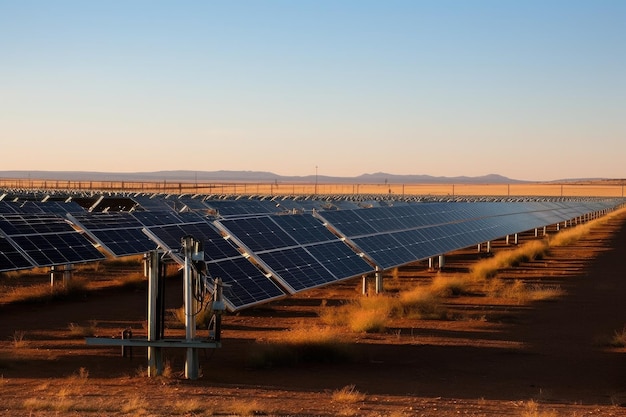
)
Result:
{"points": [[614, 189]]}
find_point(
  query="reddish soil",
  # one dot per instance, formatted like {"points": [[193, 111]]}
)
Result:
{"points": [[498, 361]]}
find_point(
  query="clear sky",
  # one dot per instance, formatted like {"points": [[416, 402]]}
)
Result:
{"points": [[532, 90]]}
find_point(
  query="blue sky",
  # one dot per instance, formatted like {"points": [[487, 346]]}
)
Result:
{"points": [[531, 90]]}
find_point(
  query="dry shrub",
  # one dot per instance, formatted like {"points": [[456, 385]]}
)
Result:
{"points": [[364, 314], [135, 405], [48, 404], [520, 292], [420, 303], [488, 268], [348, 394], [191, 406], [450, 285], [301, 345], [19, 339], [244, 407], [370, 314], [618, 339], [75, 288], [203, 316], [531, 409], [83, 331], [570, 235]]}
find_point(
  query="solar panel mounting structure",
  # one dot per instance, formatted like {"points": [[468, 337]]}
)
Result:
{"points": [[245, 285]]}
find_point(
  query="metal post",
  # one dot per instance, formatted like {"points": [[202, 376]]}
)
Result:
{"points": [[52, 276], [516, 239], [67, 275], [155, 359], [191, 362], [442, 261], [364, 285], [379, 281], [489, 246]]}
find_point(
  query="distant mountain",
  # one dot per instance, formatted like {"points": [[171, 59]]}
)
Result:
{"points": [[252, 176]]}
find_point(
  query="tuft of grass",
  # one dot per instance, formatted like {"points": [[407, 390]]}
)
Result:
{"points": [[49, 404], [83, 331], [203, 317], [618, 339], [19, 339], [520, 292], [531, 409], [134, 405], [348, 394], [244, 407]]}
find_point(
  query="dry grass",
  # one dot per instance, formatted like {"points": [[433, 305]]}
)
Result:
{"points": [[303, 344], [444, 285], [89, 330], [348, 394], [531, 409], [244, 407], [19, 339], [618, 339], [488, 268], [421, 303], [38, 293]]}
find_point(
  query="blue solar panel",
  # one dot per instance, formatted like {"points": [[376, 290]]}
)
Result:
{"points": [[257, 233], [11, 258], [47, 239], [214, 245], [339, 259], [118, 233], [245, 284], [296, 269]]}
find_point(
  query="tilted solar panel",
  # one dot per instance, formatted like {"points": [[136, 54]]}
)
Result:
{"points": [[11, 258], [214, 245], [119, 233], [47, 239], [245, 284]]}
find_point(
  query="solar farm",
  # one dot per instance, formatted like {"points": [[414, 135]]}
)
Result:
{"points": [[264, 251]]}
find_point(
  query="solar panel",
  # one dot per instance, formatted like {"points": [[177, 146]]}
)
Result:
{"points": [[257, 233], [245, 284], [231, 208], [298, 250], [296, 269], [11, 259], [214, 245], [118, 233], [47, 239]]}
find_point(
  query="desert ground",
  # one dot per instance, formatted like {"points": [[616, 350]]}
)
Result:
{"points": [[489, 356]]}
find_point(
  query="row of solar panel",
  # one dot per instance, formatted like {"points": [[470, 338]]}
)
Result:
{"points": [[297, 251]]}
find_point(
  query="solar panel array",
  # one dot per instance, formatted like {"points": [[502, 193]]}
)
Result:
{"points": [[261, 248], [42, 240], [298, 250]]}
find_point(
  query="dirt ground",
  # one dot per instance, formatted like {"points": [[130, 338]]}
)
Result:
{"points": [[547, 358]]}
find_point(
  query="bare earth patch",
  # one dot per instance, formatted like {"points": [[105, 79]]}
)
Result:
{"points": [[491, 356]]}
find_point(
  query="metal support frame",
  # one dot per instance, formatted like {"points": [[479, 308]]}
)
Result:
{"points": [[192, 281]]}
